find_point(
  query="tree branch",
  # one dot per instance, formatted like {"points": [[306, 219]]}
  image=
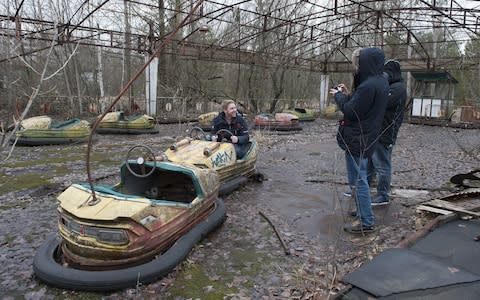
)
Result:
{"points": [[32, 97]]}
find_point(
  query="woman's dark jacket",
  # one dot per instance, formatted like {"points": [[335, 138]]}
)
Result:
{"points": [[397, 97], [238, 127], [363, 111]]}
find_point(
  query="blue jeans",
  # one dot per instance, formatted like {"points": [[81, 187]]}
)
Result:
{"points": [[381, 164], [241, 150], [357, 178]]}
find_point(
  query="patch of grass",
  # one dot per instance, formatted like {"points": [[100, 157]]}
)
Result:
{"points": [[249, 264], [39, 171], [8, 206], [68, 294], [60, 158], [8, 240], [25, 181], [191, 284], [30, 238]]}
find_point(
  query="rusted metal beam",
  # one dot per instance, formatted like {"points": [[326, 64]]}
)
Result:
{"points": [[306, 60]]}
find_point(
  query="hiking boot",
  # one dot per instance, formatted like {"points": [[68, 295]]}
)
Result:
{"points": [[378, 201], [358, 228]]}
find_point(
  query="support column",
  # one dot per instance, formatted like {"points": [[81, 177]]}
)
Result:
{"points": [[324, 91], [151, 76]]}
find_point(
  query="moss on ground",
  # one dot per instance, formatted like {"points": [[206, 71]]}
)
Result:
{"points": [[40, 170], [21, 182], [250, 264], [58, 158], [30, 169], [193, 283], [8, 240], [7, 206]]}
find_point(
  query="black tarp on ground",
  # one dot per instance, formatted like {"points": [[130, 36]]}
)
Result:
{"points": [[443, 265], [454, 243], [462, 291]]}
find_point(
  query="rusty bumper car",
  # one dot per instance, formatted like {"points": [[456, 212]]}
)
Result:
{"points": [[303, 114], [44, 130], [119, 123], [277, 122], [133, 232], [196, 149], [205, 121]]}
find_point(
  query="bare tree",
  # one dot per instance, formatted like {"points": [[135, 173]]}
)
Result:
{"points": [[42, 78]]}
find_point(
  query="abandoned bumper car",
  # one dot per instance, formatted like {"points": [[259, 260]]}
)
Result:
{"points": [[277, 122], [198, 150], [133, 232], [303, 114], [118, 123], [205, 121], [139, 229], [43, 130]]}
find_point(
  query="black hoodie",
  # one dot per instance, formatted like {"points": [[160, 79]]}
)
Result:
{"points": [[397, 96], [363, 111]]}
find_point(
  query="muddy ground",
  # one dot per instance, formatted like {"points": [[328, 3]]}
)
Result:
{"points": [[243, 259]]}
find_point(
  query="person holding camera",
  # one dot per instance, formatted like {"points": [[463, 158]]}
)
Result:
{"points": [[232, 121], [359, 129]]}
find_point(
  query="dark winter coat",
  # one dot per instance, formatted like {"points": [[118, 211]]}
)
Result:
{"points": [[363, 110], [238, 127], [397, 97]]}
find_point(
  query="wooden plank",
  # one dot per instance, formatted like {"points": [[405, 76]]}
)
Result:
{"points": [[431, 225], [434, 210], [452, 207]]}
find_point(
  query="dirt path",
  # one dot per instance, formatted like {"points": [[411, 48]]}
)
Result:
{"points": [[243, 259]]}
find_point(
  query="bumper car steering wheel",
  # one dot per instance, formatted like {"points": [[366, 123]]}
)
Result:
{"points": [[146, 154], [222, 133]]}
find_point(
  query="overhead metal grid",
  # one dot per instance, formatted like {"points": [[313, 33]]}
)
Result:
{"points": [[318, 36]]}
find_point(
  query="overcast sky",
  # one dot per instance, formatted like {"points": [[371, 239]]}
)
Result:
{"points": [[469, 3]]}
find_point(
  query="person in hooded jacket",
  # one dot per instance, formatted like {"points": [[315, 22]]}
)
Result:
{"points": [[359, 129], [232, 121], [381, 161]]}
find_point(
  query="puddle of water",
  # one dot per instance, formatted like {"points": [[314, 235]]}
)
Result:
{"points": [[317, 210], [307, 208]]}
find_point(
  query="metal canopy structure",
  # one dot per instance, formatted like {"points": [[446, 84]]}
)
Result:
{"points": [[313, 35]]}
